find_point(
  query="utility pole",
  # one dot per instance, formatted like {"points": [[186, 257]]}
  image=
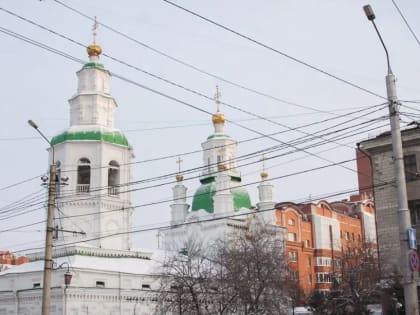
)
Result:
{"points": [[404, 220], [48, 262]]}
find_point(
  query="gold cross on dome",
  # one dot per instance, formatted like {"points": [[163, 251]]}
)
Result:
{"points": [[94, 28], [179, 161], [263, 162], [217, 96]]}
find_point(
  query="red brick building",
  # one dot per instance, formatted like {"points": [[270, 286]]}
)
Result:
{"points": [[318, 234], [7, 258]]}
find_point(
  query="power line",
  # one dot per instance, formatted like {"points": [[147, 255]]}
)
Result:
{"points": [[19, 183], [195, 68], [185, 88], [199, 221], [164, 177], [306, 64], [151, 74], [406, 22], [168, 96]]}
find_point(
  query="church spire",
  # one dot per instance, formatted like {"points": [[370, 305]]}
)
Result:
{"points": [[265, 191], [179, 208], [218, 118], [93, 49]]}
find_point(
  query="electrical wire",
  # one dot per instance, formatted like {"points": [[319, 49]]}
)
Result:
{"points": [[158, 185], [406, 22], [199, 221], [195, 68], [304, 63], [185, 103]]}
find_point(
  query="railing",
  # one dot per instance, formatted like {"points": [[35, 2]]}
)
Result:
{"points": [[113, 190], [83, 188]]}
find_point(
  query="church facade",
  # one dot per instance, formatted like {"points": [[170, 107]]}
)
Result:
{"points": [[93, 211]]}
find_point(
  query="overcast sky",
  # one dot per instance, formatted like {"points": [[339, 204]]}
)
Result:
{"points": [[332, 35]]}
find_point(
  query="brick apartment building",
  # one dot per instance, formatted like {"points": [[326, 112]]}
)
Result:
{"points": [[318, 234]]}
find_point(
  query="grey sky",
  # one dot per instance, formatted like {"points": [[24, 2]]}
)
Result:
{"points": [[332, 35]]}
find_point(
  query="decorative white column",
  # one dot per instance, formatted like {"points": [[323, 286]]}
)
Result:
{"points": [[179, 209], [223, 198], [266, 204]]}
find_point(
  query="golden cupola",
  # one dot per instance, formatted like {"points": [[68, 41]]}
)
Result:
{"points": [[94, 50]]}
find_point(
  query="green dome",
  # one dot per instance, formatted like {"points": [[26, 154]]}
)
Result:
{"points": [[114, 137], [203, 197]]}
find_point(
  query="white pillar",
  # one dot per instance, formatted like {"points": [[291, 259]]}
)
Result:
{"points": [[266, 204], [223, 199], [179, 209]]}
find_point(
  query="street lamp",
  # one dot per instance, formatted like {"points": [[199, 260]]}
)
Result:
{"points": [[409, 284], [48, 263], [67, 276]]}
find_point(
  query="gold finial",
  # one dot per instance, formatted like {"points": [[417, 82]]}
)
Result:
{"points": [[263, 173], [179, 177], [218, 118], [94, 49]]}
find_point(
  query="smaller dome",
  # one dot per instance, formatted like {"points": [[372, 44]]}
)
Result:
{"points": [[264, 175], [179, 178], [218, 118], [94, 50]]}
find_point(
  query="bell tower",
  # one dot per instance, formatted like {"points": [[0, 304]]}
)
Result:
{"points": [[95, 156]]}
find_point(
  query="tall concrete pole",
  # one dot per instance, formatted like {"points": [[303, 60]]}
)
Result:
{"points": [[48, 262], [404, 220]]}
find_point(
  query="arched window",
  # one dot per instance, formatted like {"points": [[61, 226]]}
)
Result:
{"points": [[83, 176], [113, 178]]}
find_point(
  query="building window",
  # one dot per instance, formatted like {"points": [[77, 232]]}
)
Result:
{"points": [[145, 286], [308, 243], [323, 277], [323, 261], [291, 237], [291, 222], [113, 178], [410, 167], [347, 236], [309, 278], [36, 285], [293, 256], [83, 176], [308, 261], [414, 206], [294, 275], [100, 284]]}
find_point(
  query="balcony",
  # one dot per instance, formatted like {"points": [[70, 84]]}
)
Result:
{"points": [[83, 188], [113, 191]]}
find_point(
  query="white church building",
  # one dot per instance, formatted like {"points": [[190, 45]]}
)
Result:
{"points": [[108, 276]]}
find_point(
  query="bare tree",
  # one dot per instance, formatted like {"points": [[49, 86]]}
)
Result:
{"points": [[241, 274], [254, 265], [355, 284]]}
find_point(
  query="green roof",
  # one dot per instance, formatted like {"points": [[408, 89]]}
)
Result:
{"points": [[203, 197], [114, 137], [218, 135], [93, 65]]}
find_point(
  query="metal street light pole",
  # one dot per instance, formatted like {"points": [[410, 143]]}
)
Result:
{"points": [[409, 283], [48, 262]]}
